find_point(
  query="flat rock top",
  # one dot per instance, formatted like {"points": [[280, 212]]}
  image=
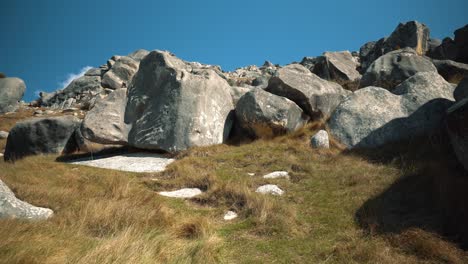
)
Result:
{"points": [[134, 162]]}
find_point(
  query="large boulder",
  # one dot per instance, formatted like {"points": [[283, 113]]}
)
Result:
{"points": [[104, 123], [266, 115], [121, 73], [395, 67], [11, 92], [317, 97], [461, 40], [453, 49], [340, 67], [461, 91], [457, 127], [42, 135], [12, 207], [452, 71], [138, 55], [373, 116], [237, 92], [173, 105]]}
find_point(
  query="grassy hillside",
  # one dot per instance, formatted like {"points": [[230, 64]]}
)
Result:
{"points": [[385, 206]]}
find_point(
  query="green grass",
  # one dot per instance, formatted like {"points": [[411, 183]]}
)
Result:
{"points": [[338, 207]]}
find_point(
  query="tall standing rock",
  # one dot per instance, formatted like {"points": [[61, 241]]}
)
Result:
{"points": [[11, 92], [266, 115], [173, 105], [104, 123], [395, 67], [457, 127], [340, 67], [42, 135], [12, 207], [121, 73], [317, 97]]}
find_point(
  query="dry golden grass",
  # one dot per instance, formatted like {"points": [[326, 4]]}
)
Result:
{"points": [[338, 207]]}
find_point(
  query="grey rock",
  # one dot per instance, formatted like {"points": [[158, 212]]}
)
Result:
{"points": [[3, 134], [121, 73], [277, 175], [261, 82], [42, 135], [320, 140], [12, 207], [237, 92], [184, 193], [340, 67], [270, 189], [452, 71], [461, 91], [447, 50], [309, 62], [173, 105], [266, 115], [11, 91], [104, 123], [457, 128], [230, 215], [461, 40], [138, 55], [395, 67], [373, 116], [93, 72], [317, 97]]}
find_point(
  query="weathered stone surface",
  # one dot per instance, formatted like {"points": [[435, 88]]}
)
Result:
{"points": [[395, 67], [317, 97], [42, 135], [461, 91], [453, 49], [266, 115], [104, 123], [121, 73], [270, 189], [138, 55], [12, 207], [237, 92], [11, 92], [3, 134], [340, 67], [94, 72], [452, 71], [182, 193], [457, 127], [320, 140], [172, 105], [373, 116], [461, 40], [230, 215], [277, 175]]}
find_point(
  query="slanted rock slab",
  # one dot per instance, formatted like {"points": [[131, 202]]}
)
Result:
{"points": [[270, 189], [276, 175], [182, 193]]}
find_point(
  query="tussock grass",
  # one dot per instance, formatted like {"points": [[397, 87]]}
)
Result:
{"points": [[339, 207]]}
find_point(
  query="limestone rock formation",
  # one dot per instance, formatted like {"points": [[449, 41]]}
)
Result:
{"points": [[11, 93]]}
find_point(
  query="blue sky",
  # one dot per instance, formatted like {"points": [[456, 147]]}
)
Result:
{"points": [[44, 42]]}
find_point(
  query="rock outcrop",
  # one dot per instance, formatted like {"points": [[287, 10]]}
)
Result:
{"points": [[317, 97], [12, 207], [452, 71], [42, 136], [395, 67], [266, 115], [173, 105], [320, 140], [104, 123], [453, 49], [373, 116], [457, 127], [121, 73], [461, 91], [11, 93]]}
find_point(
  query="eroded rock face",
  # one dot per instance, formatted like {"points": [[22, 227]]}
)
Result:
{"points": [[42, 136], [173, 105], [320, 140], [237, 92], [395, 67], [121, 73], [11, 92], [12, 207], [457, 127], [266, 115], [373, 116], [104, 123], [317, 97], [340, 67], [461, 91], [452, 71]]}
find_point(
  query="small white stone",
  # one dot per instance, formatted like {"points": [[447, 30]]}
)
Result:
{"points": [[320, 140], [270, 189], [277, 174], [182, 193], [1, 154], [251, 174], [230, 215], [3, 134]]}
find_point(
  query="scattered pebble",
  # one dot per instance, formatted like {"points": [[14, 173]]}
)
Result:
{"points": [[276, 175], [1, 154], [182, 193], [270, 189], [3, 134], [251, 174], [320, 140], [230, 215]]}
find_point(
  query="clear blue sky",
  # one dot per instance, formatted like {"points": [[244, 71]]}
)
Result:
{"points": [[44, 41]]}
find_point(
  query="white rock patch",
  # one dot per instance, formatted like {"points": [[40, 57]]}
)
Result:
{"points": [[270, 189], [134, 162], [230, 215], [320, 140], [277, 174], [182, 193]]}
